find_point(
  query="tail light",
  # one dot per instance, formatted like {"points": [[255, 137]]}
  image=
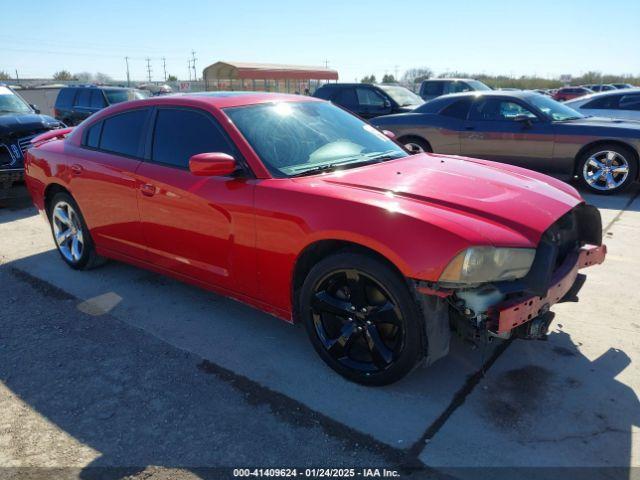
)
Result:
{"points": [[55, 113]]}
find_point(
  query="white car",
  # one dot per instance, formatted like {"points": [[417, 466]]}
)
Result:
{"points": [[624, 104]]}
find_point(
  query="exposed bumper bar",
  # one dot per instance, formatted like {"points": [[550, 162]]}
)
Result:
{"points": [[513, 313]]}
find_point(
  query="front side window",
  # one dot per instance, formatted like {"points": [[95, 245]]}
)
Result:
{"points": [[457, 87], [496, 110], [402, 96], [123, 133], [298, 138], [369, 97], [122, 95], [181, 133]]}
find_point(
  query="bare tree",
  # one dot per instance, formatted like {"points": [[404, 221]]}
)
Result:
{"points": [[417, 75], [100, 77], [62, 75], [85, 77]]}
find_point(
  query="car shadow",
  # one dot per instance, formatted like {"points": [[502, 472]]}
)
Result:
{"points": [[16, 205], [87, 377]]}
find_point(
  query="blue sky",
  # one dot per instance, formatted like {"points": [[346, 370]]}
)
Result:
{"points": [[541, 37]]}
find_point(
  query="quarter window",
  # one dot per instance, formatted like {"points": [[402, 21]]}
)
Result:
{"points": [[180, 133], [124, 133], [92, 138]]}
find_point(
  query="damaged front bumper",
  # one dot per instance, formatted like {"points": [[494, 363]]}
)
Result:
{"points": [[513, 313]]}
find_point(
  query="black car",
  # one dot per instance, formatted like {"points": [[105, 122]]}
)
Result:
{"points": [[19, 123], [525, 129], [76, 103], [435, 87], [368, 100]]}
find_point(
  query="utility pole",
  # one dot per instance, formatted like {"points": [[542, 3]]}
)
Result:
{"points": [[193, 59], [395, 69], [164, 67], [17, 77], [326, 64], [149, 69], [126, 59], [189, 68]]}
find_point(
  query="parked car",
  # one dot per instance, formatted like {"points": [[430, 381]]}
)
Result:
{"points": [[599, 87], [436, 87], [624, 104], [623, 85], [294, 205], [525, 129], [569, 93], [76, 103], [368, 100], [19, 123]]}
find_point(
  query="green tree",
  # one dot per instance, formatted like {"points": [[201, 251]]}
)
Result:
{"points": [[62, 75], [4, 75], [172, 78], [368, 79], [388, 79]]}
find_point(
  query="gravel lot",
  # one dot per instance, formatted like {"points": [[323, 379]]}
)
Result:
{"points": [[121, 367]]}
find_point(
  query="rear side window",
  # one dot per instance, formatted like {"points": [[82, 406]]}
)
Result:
{"points": [[123, 134], [83, 98], [457, 109], [606, 102], [65, 97], [346, 97], [324, 93], [181, 133], [630, 102], [432, 88], [92, 138], [97, 99]]}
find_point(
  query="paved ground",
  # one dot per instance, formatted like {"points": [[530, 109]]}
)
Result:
{"points": [[121, 366]]}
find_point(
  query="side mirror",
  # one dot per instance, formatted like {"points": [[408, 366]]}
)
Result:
{"points": [[387, 103], [525, 120], [216, 164], [34, 107], [389, 134]]}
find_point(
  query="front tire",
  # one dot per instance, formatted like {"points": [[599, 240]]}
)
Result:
{"points": [[362, 318], [607, 169], [415, 145], [71, 235]]}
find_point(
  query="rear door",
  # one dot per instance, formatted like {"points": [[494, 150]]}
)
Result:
{"points": [[87, 102], [103, 181], [492, 132], [64, 105], [200, 227]]}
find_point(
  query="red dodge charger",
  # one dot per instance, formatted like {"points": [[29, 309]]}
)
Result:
{"points": [[298, 208]]}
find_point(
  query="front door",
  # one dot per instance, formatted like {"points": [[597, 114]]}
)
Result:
{"points": [[506, 130], [201, 227]]}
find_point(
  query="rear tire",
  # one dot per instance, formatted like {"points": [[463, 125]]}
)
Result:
{"points": [[607, 169], [71, 234], [362, 318]]}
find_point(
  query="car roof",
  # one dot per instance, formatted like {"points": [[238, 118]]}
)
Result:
{"points": [[452, 79], [102, 87], [227, 99], [492, 93], [349, 85], [618, 91]]}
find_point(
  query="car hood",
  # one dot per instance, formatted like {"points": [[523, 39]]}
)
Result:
{"points": [[496, 201], [15, 125]]}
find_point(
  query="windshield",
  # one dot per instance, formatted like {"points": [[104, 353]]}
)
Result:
{"points": [[555, 110], [118, 96], [12, 103], [298, 138], [402, 96]]}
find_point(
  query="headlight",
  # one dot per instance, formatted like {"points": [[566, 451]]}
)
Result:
{"points": [[488, 264]]}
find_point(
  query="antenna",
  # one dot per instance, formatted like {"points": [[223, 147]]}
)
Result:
{"points": [[126, 59], [149, 68]]}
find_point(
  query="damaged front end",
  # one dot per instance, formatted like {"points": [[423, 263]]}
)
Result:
{"points": [[517, 307]]}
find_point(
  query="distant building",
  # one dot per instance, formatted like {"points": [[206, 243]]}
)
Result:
{"points": [[267, 77]]}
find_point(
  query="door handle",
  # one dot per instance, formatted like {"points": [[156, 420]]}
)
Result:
{"points": [[148, 189], [76, 169]]}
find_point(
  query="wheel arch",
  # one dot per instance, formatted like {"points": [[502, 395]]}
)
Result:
{"points": [[401, 139], [602, 142], [316, 252], [51, 191]]}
